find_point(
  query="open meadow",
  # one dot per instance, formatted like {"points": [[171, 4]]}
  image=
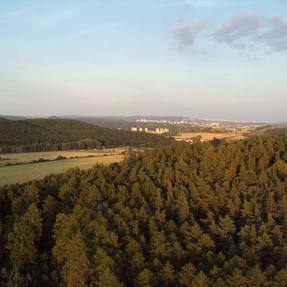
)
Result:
{"points": [[205, 136], [30, 171], [16, 158]]}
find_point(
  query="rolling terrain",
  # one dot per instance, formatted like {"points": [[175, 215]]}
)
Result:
{"points": [[61, 134]]}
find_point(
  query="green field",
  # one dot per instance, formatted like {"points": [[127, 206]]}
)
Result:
{"points": [[16, 158], [27, 172]]}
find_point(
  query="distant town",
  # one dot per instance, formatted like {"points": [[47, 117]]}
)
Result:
{"points": [[189, 130], [180, 128], [204, 123]]}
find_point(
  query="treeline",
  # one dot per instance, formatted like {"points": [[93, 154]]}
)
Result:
{"points": [[201, 215], [60, 134]]}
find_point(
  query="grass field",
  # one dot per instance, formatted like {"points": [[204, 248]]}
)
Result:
{"points": [[209, 136], [51, 155], [27, 172]]}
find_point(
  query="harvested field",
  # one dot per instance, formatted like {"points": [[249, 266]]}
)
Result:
{"points": [[209, 136], [26, 172], [16, 158]]}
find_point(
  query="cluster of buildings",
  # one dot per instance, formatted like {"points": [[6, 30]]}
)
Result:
{"points": [[134, 129], [154, 121], [158, 131], [203, 124]]}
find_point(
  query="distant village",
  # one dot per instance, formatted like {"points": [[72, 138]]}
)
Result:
{"points": [[190, 130], [243, 126]]}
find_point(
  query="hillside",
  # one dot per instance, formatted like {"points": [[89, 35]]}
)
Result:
{"points": [[202, 215], [58, 134], [277, 131], [13, 118]]}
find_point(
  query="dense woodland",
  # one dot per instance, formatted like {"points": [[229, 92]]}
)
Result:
{"points": [[62, 134], [207, 214], [277, 131]]}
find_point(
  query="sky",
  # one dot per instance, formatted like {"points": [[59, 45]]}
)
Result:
{"points": [[221, 59]]}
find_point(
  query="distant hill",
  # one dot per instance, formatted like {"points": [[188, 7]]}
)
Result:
{"points": [[277, 131], [125, 123], [13, 118], [63, 134], [111, 123], [271, 129]]}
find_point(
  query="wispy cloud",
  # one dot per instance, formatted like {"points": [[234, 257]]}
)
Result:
{"points": [[186, 32], [244, 29], [276, 34], [235, 30]]}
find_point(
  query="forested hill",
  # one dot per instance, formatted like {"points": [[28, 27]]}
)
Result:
{"points": [[201, 215], [277, 131], [58, 134]]}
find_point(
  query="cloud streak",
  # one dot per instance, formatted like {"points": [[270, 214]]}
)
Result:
{"points": [[276, 35], [241, 31], [238, 28], [186, 32]]}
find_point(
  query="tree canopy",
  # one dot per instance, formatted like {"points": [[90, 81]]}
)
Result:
{"points": [[207, 214]]}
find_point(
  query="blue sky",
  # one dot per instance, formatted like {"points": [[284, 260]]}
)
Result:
{"points": [[195, 58]]}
